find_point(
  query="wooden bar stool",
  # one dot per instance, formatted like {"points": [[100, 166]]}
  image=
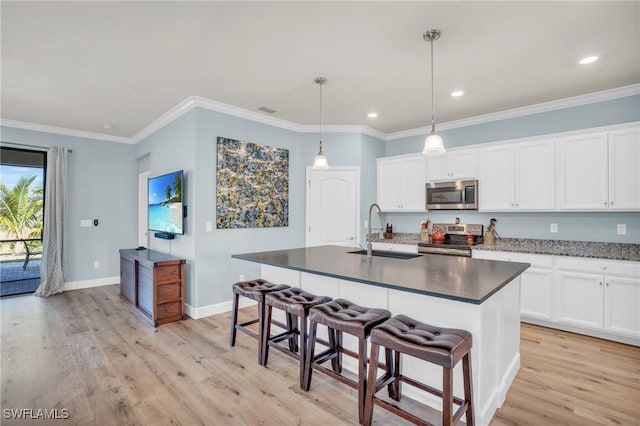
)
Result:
{"points": [[441, 346], [255, 290], [341, 316], [296, 302]]}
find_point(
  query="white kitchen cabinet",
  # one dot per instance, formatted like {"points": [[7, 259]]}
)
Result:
{"points": [[535, 282], [401, 183], [597, 297], [599, 171], [598, 294], [579, 299], [624, 172], [621, 305], [453, 165], [517, 177]]}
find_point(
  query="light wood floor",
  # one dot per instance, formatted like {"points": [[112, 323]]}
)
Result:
{"points": [[91, 353]]}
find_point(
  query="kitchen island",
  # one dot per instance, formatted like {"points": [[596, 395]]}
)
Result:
{"points": [[480, 296]]}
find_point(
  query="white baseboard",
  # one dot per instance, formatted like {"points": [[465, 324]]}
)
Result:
{"points": [[218, 308], [77, 285]]}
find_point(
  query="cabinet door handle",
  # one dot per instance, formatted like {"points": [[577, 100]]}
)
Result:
{"points": [[605, 203], [611, 203], [607, 284], [600, 282]]}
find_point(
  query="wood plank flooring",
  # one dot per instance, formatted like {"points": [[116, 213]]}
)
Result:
{"points": [[90, 352]]}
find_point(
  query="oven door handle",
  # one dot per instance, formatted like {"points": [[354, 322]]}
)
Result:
{"points": [[447, 250]]}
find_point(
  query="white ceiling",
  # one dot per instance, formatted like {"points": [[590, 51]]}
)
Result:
{"points": [[79, 65]]}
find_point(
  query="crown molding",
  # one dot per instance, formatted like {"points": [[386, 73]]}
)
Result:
{"points": [[196, 101], [63, 131], [590, 98]]}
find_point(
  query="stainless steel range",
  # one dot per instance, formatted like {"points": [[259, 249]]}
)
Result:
{"points": [[452, 239]]}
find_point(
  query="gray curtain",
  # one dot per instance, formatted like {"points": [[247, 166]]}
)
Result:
{"points": [[52, 276]]}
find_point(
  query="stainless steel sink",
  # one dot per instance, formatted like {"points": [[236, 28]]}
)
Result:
{"points": [[391, 254]]}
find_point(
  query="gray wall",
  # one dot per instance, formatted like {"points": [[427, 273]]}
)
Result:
{"points": [[571, 226], [102, 178]]}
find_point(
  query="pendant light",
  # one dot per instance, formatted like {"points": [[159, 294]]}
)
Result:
{"points": [[320, 162], [433, 144]]}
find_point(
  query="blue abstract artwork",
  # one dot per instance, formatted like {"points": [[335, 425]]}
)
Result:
{"points": [[252, 189]]}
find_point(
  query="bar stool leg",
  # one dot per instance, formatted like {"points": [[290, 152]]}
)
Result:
{"points": [[261, 315], [395, 390], [388, 357], [447, 396], [468, 390], [362, 377], [311, 343], [266, 332], [371, 386], [303, 347], [234, 319], [293, 343], [334, 344]]}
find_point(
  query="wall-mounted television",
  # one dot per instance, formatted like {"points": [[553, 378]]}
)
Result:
{"points": [[166, 211]]}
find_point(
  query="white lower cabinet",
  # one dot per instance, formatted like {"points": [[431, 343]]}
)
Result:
{"points": [[579, 299], [598, 297], [535, 282]]}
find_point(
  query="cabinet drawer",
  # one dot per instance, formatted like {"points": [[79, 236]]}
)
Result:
{"points": [[395, 247], [167, 292], [168, 310], [168, 273], [600, 266], [536, 260]]}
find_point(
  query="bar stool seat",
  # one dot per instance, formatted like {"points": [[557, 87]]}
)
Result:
{"points": [[441, 346], [342, 316], [296, 302], [255, 290]]}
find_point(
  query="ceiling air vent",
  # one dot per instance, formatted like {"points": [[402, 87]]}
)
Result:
{"points": [[267, 109]]}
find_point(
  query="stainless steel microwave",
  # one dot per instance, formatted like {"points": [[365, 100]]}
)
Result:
{"points": [[452, 195]]}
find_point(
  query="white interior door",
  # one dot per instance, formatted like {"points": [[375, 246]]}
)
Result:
{"points": [[333, 207], [143, 206]]}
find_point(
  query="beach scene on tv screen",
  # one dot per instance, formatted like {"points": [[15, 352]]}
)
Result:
{"points": [[165, 203]]}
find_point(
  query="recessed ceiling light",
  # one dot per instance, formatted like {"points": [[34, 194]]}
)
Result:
{"points": [[588, 60], [107, 126], [457, 93], [372, 115]]}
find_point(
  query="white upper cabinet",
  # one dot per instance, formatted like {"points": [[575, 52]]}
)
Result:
{"points": [[495, 178], [599, 171], [452, 166], [624, 169], [583, 172], [521, 177], [401, 183]]}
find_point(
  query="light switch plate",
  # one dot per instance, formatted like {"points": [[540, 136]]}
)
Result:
{"points": [[86, 222], [622, 229], [554, 228]]}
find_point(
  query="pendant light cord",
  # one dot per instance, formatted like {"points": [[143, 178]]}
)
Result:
{"points": [[433, 95], [320, 116]]}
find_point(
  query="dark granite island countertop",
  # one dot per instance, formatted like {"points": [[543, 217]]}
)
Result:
{"points": [[457, 278]]}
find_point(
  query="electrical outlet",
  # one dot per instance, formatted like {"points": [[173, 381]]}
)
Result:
{"points": [[241, 277], [622, 229], [366, 223], [554, 228], [85, 223], [208, 226], [96, 264]]}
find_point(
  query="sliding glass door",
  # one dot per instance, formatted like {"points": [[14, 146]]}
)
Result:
{"points": [[22, 183]]}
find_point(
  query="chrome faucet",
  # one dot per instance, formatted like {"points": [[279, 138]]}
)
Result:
{"points": [[369, 243]]}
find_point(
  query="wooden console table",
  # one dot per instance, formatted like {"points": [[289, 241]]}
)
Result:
{"points": [[154, 282]]}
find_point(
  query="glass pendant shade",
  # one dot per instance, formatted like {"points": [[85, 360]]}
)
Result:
{"points": [[320, 162], [433, 145]]}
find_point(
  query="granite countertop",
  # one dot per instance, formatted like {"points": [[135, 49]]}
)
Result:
{"points": [[458, 278], [590, 249], [613, 251]]}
